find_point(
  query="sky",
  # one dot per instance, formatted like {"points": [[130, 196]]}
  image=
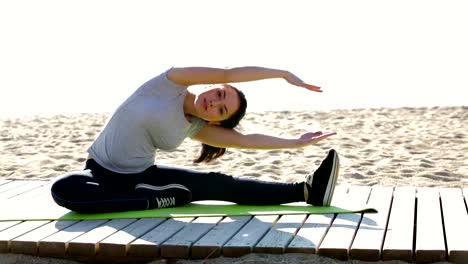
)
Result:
{"points": [[88, 56]]}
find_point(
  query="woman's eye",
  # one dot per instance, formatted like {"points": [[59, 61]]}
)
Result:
{"points": [[219, 94], [221, 111]]}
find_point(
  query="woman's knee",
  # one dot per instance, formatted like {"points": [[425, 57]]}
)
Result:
{"points": [[71, 182], [73, 187]]}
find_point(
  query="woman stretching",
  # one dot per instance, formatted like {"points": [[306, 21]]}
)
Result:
{"points": [[120, 172]]}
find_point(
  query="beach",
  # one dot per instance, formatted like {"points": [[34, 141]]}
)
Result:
{"points": [[382, 146], [388, 146]]}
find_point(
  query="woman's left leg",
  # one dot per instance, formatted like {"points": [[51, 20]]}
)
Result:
{"points": [[218, 186]]}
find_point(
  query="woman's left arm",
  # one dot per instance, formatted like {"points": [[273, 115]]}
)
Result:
{"points": [[204, 75], [220, 137]]}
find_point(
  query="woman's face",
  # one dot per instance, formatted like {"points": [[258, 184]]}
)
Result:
{"points": [[217, 103]]}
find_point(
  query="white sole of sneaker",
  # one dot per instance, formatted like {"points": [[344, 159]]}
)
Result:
{"points": [[332, 182]]}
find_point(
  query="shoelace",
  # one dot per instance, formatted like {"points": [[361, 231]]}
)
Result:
{"points": [[165, 202]]}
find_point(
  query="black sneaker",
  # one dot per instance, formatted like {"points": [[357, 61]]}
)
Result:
{"points": [[164, 196], [321, 184]]}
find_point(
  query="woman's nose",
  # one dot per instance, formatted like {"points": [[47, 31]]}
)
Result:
{"points": [[215, 103]]}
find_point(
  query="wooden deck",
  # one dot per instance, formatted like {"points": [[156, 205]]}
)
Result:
{"points": [[413, 224]]}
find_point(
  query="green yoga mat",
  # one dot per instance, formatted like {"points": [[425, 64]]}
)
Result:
{"points": [[206, 209], [51, 211]]}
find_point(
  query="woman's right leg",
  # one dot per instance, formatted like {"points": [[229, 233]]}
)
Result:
{"points": [[79, 191], [97, 190]]}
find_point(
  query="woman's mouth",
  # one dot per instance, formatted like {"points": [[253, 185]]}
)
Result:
{"points": [[205, 105]]}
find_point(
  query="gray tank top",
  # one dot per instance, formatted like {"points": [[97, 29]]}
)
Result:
{"points": [[151, 118]]}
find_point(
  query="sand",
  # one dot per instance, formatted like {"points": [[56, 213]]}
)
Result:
{"points": [[388, 146]]}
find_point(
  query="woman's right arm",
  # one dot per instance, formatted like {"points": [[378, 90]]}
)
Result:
{"points": [[205, 75], [220, 137]]}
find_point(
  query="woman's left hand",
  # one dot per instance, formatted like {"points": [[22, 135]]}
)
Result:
{"points": [[294, 80], [313, 137]]}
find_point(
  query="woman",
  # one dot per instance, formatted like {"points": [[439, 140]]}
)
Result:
{"points": [[120, 173]]}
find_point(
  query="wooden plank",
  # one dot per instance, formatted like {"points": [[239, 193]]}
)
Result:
{"points": [[367, 244], [398, 244], [311, 234], [178, 246], [29, 242], [117, 244], [7, 224], [11, 185], [15, 231], [243, 242], [40, 207], [43, 190], [56, 245], [149, 244], [340, 236], [30, 185], [4, 181], [86, 244], [280, 235], [465, 194], [430, 241], [210, 245], [456, 224]]}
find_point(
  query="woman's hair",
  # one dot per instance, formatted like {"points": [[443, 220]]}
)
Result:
{"points": [[209, 153]]}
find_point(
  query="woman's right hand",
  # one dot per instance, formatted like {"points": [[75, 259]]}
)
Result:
{"points": [[294, 80]]}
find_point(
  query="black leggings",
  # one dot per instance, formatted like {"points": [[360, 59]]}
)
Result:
{"points": [[97, 189]]}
